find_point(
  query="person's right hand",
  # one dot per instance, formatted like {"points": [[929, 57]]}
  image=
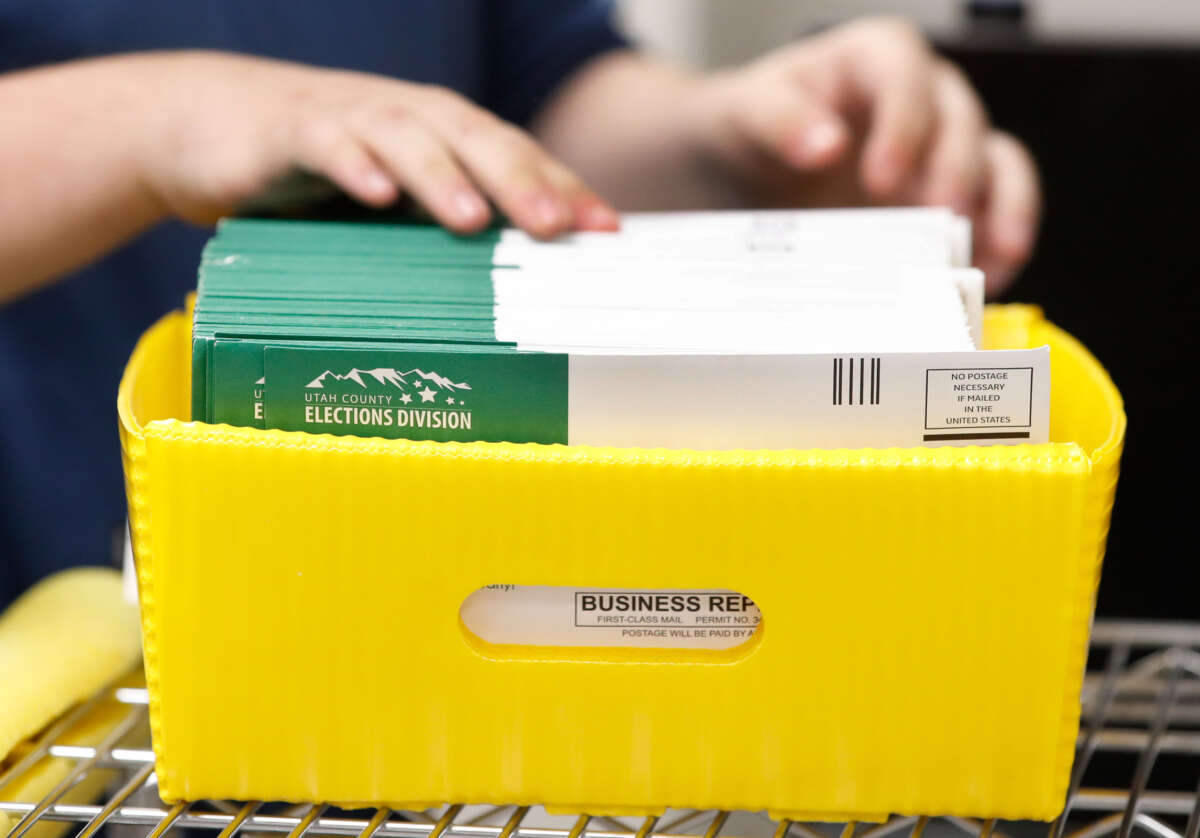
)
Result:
{"points": [[227, 126], [864, 114]]}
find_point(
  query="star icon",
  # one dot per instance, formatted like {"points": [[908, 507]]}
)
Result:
{"points": [[406, 398], [427, 395], [450, 400]]}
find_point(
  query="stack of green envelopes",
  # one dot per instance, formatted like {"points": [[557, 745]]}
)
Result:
{"points": [[715, 330]]}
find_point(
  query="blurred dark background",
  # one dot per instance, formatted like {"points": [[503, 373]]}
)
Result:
{"points": [[1115, 131]]}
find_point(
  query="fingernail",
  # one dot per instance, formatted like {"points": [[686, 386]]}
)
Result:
{"points": [[600, 217], [468, 206], [1015, 237], [822, 137], [377, 183], [549, 211], [817, 141]]}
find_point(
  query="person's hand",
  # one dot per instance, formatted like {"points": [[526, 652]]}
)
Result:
{"points": [[867, 114], [227, 127]]}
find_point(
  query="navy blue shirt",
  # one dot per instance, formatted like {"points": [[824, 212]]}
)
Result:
{"points": [[62, 350]]}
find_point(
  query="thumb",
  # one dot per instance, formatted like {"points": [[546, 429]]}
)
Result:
{"points": [[791, 123]]}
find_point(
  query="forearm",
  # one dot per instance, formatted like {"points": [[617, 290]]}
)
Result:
{"points": [[72, 138], [631, 126]]}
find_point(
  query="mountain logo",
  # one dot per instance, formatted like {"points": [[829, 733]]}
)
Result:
{"points": [[388, 377], [416, 403]]}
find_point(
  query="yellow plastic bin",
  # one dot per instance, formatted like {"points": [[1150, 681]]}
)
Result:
{"points": [[925, 612]]}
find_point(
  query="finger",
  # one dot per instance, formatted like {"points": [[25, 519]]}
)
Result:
{"points": [[954, 169], [778, 114], [506, 163], [512, 171], [591, 212], [327, 147], [1012, 208], [892, 71], [422, 164]]}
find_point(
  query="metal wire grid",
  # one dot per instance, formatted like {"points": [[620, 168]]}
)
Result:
{"points": [[1141, 723]]}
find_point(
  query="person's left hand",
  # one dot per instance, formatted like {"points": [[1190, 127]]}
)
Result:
{"points": [[866, 114]]}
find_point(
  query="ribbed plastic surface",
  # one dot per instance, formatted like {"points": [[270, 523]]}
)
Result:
{"points": [[925, 612]]}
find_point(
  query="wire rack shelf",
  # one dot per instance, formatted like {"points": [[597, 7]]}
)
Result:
{"points": [[1137, 771]]}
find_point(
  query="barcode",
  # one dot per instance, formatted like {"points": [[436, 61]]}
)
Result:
{"points": [[857, 380]]}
